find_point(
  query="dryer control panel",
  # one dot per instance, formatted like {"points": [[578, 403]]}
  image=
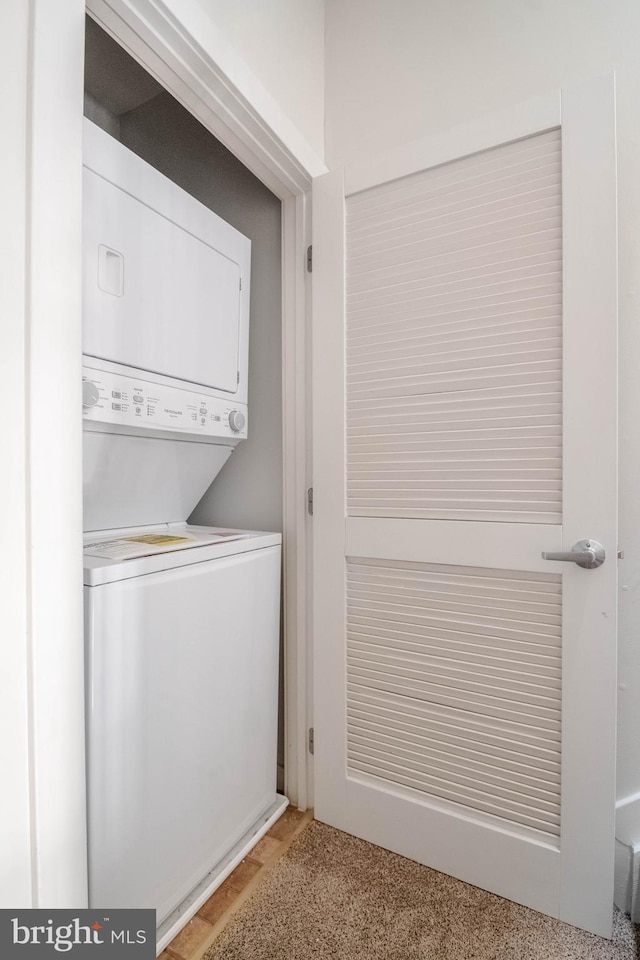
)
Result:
{"points": [[128, 401]]}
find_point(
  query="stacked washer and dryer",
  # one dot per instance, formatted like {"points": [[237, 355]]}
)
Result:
{"points": [[182, 622]]}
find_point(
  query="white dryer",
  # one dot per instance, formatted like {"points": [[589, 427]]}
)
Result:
{"points": [[165, 333], [165, 281], [182, 623]]}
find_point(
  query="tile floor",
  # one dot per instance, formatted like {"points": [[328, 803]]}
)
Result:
{"points": [[197, 936]]}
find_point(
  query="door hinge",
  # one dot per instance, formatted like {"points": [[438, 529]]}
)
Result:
{"points": [[311, 741], [241, 283], [309, 258], [310, 501], [238, 377]]}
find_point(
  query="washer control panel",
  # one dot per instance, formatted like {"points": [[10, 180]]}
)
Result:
{"points": [[114, 398]]}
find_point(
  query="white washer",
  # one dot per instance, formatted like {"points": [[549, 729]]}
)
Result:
{"points": [[182, 666]]}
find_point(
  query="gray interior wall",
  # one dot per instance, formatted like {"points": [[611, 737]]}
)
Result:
{"points": [[101, 115], [248, 491]]}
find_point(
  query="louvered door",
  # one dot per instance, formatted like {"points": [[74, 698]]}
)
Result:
{"points": [[464, 422], [454, 340]]}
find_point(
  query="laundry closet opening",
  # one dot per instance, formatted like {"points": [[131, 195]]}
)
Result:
{"points": [[130, 105], [247, 493]]}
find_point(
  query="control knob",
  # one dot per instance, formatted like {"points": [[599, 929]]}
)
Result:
{"points": [[90, 394], [237, 420]]}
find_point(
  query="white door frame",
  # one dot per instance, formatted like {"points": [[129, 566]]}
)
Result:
{"points": [[43, 69], [195, 64]]}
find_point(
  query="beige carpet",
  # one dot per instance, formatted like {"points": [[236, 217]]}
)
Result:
{"points": [[332, 896]]}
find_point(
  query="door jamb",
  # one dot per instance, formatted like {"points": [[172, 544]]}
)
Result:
{"points": [[167, 50]]}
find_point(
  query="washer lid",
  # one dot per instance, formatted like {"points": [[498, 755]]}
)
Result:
{"points": [[126, 554]]}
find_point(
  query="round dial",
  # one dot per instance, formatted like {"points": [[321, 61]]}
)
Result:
{"points": [[237, 420], [90, 394]]}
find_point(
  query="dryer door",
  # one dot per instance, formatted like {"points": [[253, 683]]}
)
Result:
{"points": [[156, 296]]}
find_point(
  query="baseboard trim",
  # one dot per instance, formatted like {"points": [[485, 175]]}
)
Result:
{"points": [[192, 903]]}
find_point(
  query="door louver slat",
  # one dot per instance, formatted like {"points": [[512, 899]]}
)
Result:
{"points": [[454, 685], [454, 356]]}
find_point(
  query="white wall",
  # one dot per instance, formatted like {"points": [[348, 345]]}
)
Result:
{"points": [[42, 803], [270, 53], [15, 820], [282, 41], [397, 70]]}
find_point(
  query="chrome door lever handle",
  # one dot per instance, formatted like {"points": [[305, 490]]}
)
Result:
{"points": [[586, 553]]}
